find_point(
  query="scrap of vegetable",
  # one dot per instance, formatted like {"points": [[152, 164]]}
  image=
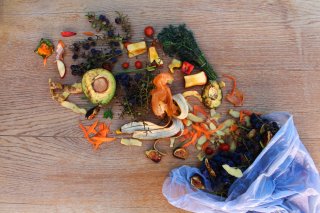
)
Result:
{"points": [[200, 109], [99, 136], [131, 142], [234, 127], [88, 33], [68, 34], [108, 114], [44, 49], [192, 141], [192, 93], [235, 96], [205, 145], [60, 50], [236, 172], [161, 96]]}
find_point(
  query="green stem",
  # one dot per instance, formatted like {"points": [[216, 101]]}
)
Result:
{"points": [[136, 70]]}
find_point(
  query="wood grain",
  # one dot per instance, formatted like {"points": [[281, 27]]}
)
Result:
{"points": [[272, 47]]}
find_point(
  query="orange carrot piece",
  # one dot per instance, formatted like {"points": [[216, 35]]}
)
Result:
{"points": [[100, 126], [192, 141], [184, 121], [203, 126], [234, 83], [201, 130], [92, 127], [93, 131], [233, 127], [185, 132], [86, 135], [100, 141], [246, 112], [88, 33], [198, 108], [242, 115]]}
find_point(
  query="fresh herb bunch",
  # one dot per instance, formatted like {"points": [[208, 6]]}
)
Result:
{"points": [[101, 51], [108, 114], [179, 41], [136, 98], [100, 23], [123, 20]]}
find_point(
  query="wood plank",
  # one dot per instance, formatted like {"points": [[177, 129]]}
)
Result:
{"points": [[65, 173], [272, 47]]}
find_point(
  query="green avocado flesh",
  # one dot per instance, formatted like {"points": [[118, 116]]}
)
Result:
{"points": [[99, 86]]}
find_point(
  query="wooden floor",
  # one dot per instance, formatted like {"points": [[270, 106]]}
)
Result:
{"points": [[272, 47]]}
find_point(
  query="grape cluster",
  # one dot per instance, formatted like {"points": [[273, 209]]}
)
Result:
{"points": [[103, 50], [94, 57], [247, 150]]}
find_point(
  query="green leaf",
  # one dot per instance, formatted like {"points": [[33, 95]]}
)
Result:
{"points": [[108, 114]]}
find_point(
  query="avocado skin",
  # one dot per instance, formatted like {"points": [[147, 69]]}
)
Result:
{"points": [[98, 98]]}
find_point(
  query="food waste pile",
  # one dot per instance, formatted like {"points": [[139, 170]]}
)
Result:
{"points": [[226, 147]]}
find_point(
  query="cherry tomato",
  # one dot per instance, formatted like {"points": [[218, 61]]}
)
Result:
{"points": [[125, 65], [138, 64], [209, 151], [224, 147], [149, 31]]}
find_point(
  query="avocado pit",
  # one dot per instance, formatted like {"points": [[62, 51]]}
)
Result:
{"points": [[100, 84]]}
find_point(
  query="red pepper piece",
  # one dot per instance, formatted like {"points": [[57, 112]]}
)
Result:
{"points": [[187, 67], [68, 33]]}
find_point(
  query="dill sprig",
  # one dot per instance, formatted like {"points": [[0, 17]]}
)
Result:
{"points": [[179, 41]]}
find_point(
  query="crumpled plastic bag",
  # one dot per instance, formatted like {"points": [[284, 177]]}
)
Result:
{"points": [[283, 178]]}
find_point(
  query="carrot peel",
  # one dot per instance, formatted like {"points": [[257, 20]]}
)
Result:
{"points": [[100, 136]]}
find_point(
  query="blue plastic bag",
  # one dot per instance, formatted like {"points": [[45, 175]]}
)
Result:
{"points": [[283, 178]]}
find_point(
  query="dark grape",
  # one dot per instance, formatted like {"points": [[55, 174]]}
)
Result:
{"points": [[118, 52], [138, 77], [114, 60], [86, 46], [102, 18]]}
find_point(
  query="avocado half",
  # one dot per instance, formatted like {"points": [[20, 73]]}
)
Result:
{"points": [[99, 86]]}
